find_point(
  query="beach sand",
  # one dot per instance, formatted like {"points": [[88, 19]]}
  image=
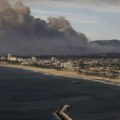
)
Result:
{"points": [[70, 74]]}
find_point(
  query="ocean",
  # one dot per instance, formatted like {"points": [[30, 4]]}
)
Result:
{"points": [[27, 95]]}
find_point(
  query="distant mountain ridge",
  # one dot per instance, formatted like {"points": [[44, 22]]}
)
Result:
{"points": [[105, 47], [112, 43]]}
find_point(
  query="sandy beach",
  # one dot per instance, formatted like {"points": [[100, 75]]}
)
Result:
{"points": [[70, 74]]}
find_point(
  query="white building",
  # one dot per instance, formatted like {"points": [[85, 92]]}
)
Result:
{"points": [[13, 59], [2, 58], [9, 56], [33, 59], [67, 65], [53, 59], [19, 59]]}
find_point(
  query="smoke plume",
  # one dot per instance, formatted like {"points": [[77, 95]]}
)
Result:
{"points": [[22, 34]]}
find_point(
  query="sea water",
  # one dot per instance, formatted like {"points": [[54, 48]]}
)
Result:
{"points": [[26, 95]]}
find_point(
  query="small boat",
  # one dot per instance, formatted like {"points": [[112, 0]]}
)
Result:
{"points": [[76, 82]]}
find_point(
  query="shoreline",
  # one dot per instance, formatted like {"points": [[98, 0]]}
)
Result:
{"points": [[69, 74]]}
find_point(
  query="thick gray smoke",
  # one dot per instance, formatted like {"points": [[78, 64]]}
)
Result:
{"points": [[21, 33]]}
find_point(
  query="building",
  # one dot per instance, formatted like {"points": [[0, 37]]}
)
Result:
{"points": [[2, 58], [67, 65], [19, 59], [9, 56], [33, 59], [53, 59], [12, 59]]}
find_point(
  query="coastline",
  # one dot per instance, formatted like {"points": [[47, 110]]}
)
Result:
{"points": [[69, 74]]}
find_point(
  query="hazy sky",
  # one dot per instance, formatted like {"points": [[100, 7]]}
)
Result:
{"points": [[98, 19]]}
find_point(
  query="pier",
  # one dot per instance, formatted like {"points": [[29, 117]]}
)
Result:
{"points": [[62, 112]]}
